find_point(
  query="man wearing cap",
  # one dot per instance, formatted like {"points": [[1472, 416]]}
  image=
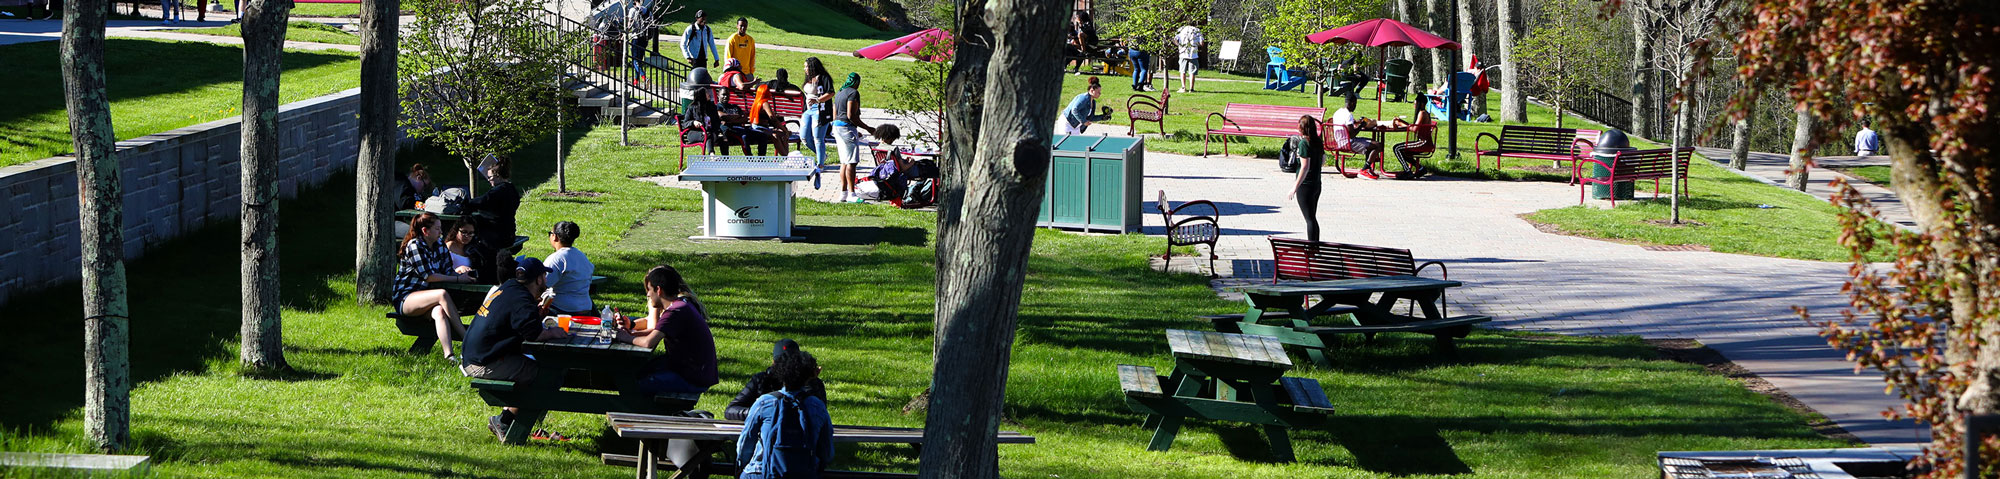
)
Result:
{"points": [[698, 43], [569, 271], [764, 383], [507, 318]]}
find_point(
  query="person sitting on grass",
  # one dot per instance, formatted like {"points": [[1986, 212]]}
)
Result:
{"points": [[788, 433], [673, 317], [509, 317], [420, 262], [766, 382], [569, 271], [1079, 114]]}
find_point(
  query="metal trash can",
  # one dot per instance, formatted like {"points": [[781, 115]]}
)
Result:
{"points": [[1094, 183], [1609, 144]]}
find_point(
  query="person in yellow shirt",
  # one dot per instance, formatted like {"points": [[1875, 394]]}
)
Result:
{"points": [[742, 47]]}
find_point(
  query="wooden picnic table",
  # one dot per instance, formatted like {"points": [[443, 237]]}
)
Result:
{"points": [[1227, 377], [690, 443], [1369, 301], [413, 213], [621, 363]]}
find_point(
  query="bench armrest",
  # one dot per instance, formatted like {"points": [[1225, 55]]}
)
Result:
{"points": [[1444, 301], [1142, 100], [1209, 123], [1593, 159], [1212, 210], [1483, 136], [1441, 269], [1581, 148]]}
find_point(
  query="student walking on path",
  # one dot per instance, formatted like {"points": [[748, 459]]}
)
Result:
{"points": [[698, 42], [742, 48]]}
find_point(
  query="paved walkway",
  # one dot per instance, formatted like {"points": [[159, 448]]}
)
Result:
{"points": [[1775, 167], [1535, 281], [26, 31]]}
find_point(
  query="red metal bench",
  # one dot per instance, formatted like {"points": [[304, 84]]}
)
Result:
{"points": [[1639, 165], [1269, 121], [1305, 260], [1536, 143], [1191, 229], [1142, 107]]}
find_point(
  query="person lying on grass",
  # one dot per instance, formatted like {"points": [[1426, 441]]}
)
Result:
{"points": [[509, 317], [788, 433], [767, 382], [676, 319]]}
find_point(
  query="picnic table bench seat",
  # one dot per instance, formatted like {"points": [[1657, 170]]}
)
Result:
{"points": [[1535, 143], [507, 394], [1635, 165], [1346, 278], [729, 469], [1443, 330], [1306, 396], [1268, 121]]}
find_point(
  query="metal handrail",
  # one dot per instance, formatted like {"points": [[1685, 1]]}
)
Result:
{"points": [[659, 90]]}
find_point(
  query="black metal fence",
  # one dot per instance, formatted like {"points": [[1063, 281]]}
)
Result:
{"points": [[603, 58]]}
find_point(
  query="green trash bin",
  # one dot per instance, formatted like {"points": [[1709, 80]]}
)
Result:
{"points": [[1093, 184], [1609, 144]]}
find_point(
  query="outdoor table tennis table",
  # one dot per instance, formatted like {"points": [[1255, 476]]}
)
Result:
{"points": [[746, 196]]}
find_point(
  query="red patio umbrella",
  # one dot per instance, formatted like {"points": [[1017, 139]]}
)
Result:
{"points": [[912, 45], [1383, 32]]}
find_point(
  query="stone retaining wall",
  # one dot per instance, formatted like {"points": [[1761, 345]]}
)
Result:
{"points": [[175, 182]]}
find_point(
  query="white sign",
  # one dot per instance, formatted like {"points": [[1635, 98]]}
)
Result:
{"points": [[1230, 49]]}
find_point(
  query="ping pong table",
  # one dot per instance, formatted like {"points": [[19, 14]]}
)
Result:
{"points": [[746, 197]]}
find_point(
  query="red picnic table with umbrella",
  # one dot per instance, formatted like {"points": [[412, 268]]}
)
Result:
{"points": [[913, 45], [1384, 33]]}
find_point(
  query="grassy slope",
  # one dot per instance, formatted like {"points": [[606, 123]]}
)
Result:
{"points": [[1514, 406], [796, 23], [299, 31], [203, 83]]}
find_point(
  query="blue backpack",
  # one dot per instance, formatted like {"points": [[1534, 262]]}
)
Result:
{"points": [[788, 449]]}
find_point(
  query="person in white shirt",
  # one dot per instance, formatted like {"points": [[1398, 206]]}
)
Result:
{"points": [[1342, 135], [1866, 143], [569, 271], [1189, 40]]}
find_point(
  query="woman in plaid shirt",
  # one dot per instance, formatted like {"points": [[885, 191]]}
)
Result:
{"points": [[420, 261]]}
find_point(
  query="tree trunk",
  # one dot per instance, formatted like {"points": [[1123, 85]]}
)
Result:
{"points": [[375, 191], [1801, 152], [1739, 151], [1438, 19], [985, 240], [107, 376], [1674, 201], [1410, 12], [1513, 102], [1468, 35], [263, 40], [1642, 60]]}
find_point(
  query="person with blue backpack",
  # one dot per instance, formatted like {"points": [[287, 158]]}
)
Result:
{"points": [[788, 433]]}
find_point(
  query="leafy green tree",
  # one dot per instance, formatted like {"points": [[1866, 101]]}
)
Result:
{"points": [[1287, 29], [478, 77], [1150, 23], [1562, 57]]}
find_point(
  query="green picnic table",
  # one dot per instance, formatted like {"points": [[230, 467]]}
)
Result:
{"points": [[554, 389], [1370, 302], [1225, 377]]}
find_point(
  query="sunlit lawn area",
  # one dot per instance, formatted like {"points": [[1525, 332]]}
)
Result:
{"points": [[1516, 406], [298, 31], [204, 83]]}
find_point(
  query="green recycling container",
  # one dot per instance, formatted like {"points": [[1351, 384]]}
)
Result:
{"points": [[1094, 184], [1602, 191]]}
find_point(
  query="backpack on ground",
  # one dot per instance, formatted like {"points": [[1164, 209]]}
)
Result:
{"points": [[921, 192], [788, 449]]}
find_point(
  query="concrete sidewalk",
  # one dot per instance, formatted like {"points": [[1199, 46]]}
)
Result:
{"points": [[28, 31], [1774, 168]]}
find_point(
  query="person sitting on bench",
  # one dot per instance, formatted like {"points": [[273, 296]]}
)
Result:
{"points": [[727, 128], [422, 260], [1342, 133], [766, 382], [675, 317], [788, 434], [569, 271], [508, 318]]}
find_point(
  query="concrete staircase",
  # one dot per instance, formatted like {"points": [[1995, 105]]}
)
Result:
{"points": [[605, 101]]}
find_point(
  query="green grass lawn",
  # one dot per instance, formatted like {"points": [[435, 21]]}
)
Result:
{"points": [[796, 23], [299, 31], [203, 82], [1877, 174], [860, 297]]}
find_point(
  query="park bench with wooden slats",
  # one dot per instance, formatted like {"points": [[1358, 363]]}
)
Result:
{"points": [[708, 436], [1190, 229], [1268, 121], [1639, 165], [1303, 260], [1536, 143], [1143, 107]]}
